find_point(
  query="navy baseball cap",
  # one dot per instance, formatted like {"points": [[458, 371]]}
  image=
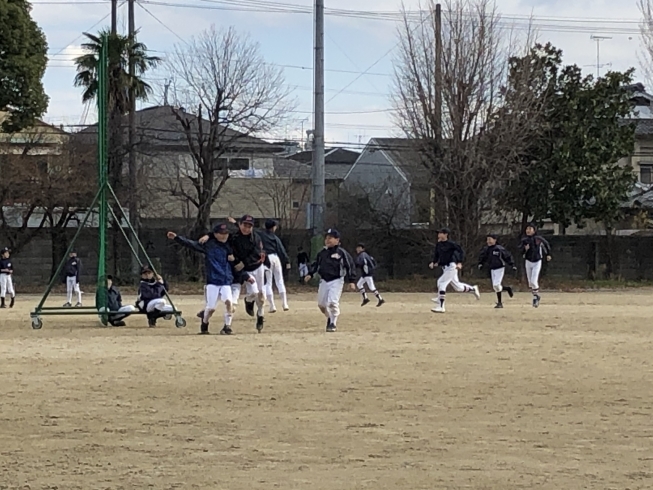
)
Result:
{"points": [[247, 219], [269, 224], [221, 229], [493, 235], [445, 231], [361, 245], [531, 225], [333, 233], [146, 268], [4, 250]]}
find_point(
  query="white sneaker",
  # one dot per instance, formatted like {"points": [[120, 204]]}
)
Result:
{"points": [[438, 309], [286, 307], [435, 300], [273, 310], [476, 292]]}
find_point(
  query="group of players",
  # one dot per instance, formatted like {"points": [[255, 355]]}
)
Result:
{"points": [[243, 256]]}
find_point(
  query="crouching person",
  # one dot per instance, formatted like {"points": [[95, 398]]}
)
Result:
{"points": [[110, 296], [151, 297]]}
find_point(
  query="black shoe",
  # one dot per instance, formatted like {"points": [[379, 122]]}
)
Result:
{"points": [[331, 327], [117, 324], [536, 301], [381, 302], [365, 301], [259, 323], [2, 303], [11, 303], [511, 293], [249, 308], [499, 305], [200, 315], [151, 323], [226, 330]]}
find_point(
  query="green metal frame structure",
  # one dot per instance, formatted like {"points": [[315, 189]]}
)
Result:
{"points": [[101, 201]]}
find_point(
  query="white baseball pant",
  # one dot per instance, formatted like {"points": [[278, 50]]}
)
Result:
{"points": [[159, 304], [126, 310], [533, 270], [328, 298], [72, 286], [369, 281], [255, 291], [450, 276], [303, 270], [497, 279], [212, 295], [275, 272], [6, 285], [235, 293]]}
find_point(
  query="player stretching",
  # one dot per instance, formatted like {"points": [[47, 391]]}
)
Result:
{"points": [[335, 266], [496, 258], [366, 266], [534, 248], [72, 271], [278, 257], [450, 256], [6, 279], [218, 254]]}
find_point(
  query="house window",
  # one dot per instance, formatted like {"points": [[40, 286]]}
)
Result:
{"points": [[646, 174], [295, 204], [233, 163]]}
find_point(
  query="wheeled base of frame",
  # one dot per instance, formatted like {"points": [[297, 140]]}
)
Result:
{"points": [[37, 322]]}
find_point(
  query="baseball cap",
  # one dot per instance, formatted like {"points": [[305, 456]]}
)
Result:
{"points": [[445, 231], [333, 233], [493, 235], [4, 250], [361, 245], [269, 224], [146, 268], [110, 277], [221, 229], [247, 219], [531, 225]]}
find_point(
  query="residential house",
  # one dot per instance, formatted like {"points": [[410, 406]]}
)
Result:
{"points": [[390, 181]]}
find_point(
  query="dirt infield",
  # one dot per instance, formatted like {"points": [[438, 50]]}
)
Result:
{"points": [[555, 398]]}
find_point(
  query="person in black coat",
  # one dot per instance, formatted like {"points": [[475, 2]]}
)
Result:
{"points": [[72, 271], [495, 257], [151, 297], [534, 248], [108, 298]]}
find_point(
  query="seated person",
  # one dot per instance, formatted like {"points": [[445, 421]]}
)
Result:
{"points": [[151, 297], [113, 304]]}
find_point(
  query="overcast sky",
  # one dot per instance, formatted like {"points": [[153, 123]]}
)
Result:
{"points": [[353, 45]]}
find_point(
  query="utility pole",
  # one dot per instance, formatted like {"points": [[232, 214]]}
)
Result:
{"points": [[318, 202], [114, 16], [133, 170], [437, 109], [598, 40]]}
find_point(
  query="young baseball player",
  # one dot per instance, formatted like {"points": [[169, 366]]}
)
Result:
{"points": [[151, 297], [496, 258], [71, 273], [279, 260], [450, 256], [113, 300], [366, 265], [335, 266], [6, 278], [249, 257], [218, 255], [534, 248], [302, 264]]}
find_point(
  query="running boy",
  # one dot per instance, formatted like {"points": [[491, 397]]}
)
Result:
{"points": [[496, 257], [366, 265], [302, 264], [335, 266], [6, 278], [151, 297], [534, 248], [278, 257], [450, 256], [218, 255], [71, 273]]}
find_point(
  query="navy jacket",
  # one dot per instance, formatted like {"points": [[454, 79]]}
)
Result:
{"points": [[303, 258], [6, 267], [446, 253], [365, 264], [248, 249], [334, 263], [149, 290], [272, 245], [496, 257], [538, 247], [218, 268], [72, 268], [113, 296]]}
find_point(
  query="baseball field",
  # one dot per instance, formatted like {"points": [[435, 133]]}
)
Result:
{"points": [[559, 397]]}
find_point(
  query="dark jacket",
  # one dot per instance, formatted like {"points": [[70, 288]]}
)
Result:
{"points": [[334, 263], [248, 249], [149, 290], [446, 253], [6, 267], [272, 245], [216, 259], [365, 264], [303, 258], [496, 257], [240, 277], [113, 298], [538, 248], [72, 268]]}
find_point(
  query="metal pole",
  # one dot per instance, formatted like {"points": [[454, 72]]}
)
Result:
{"points": [[133, 169], [103, 167], [114, 16], [438, 97], [318, 202]]}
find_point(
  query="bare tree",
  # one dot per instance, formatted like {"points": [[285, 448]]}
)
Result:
{"points": [[223, 92], [472, 147]]}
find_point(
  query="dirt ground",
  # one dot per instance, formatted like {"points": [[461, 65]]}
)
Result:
{"points": [[555, 398]]}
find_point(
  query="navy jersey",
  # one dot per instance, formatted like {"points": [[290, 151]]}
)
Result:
{"points": [[149, 290], [272, 245], [216, 258], [6, 267], [248, 249], [446, 253], [496, 257], [365, 264], [334, 263], [72, 268], [538, 248]]}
